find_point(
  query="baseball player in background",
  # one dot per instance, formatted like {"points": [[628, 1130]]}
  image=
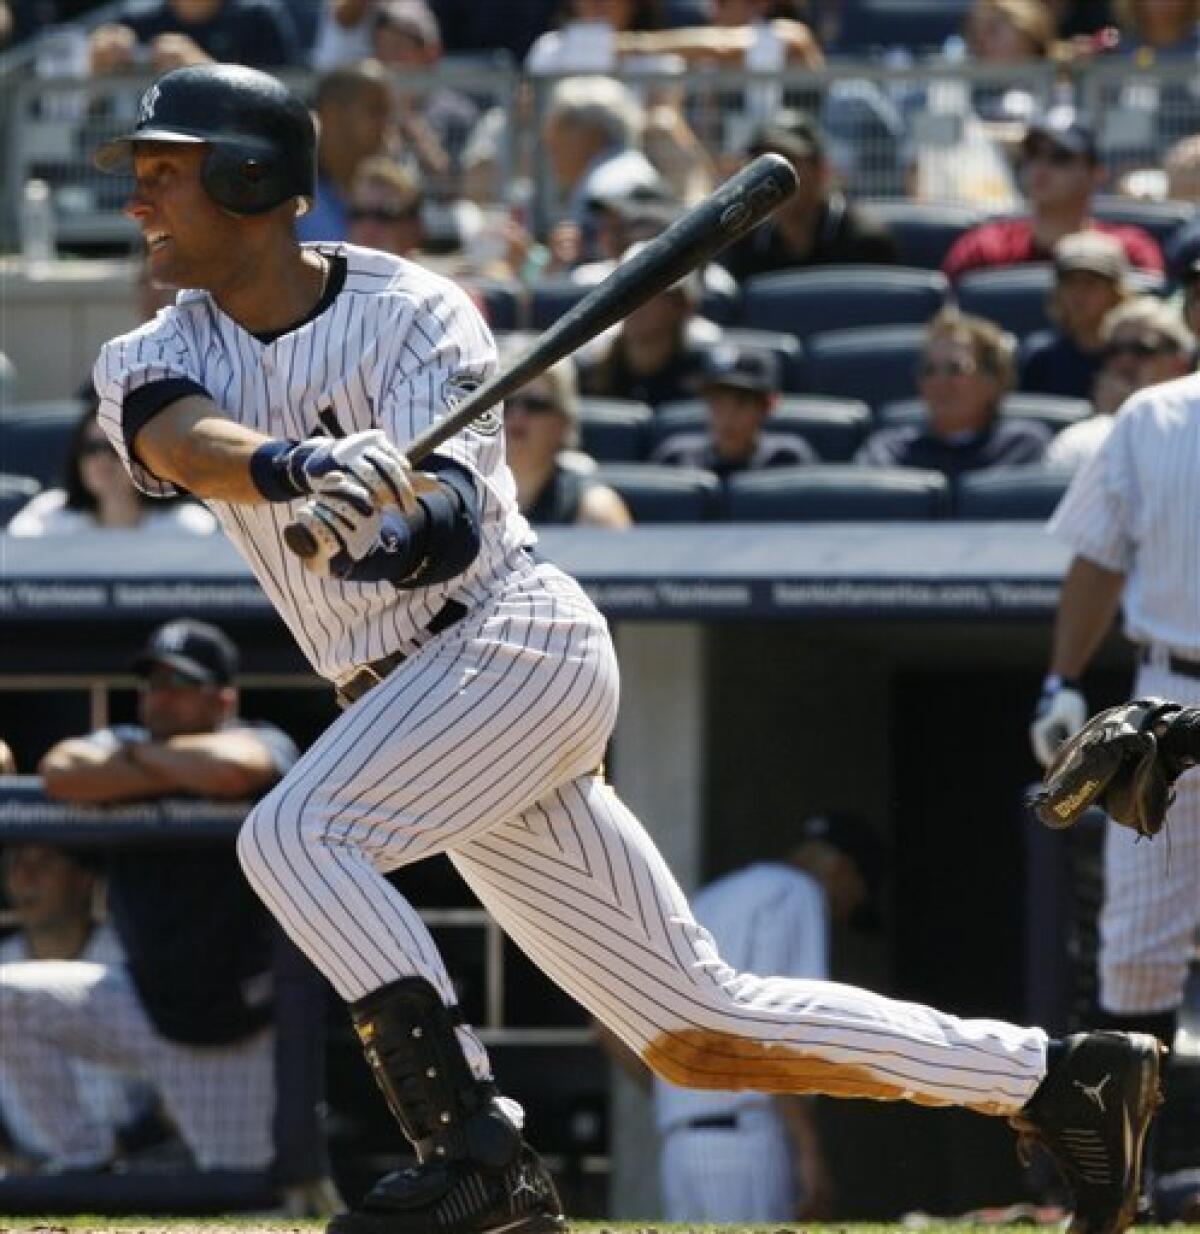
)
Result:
{"points": [[1130, 516], [480, 690]]}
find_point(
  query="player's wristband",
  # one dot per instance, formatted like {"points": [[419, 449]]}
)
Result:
{"points": [[277, 469], [1052, 683]]}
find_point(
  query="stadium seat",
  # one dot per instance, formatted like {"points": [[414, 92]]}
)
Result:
{"points": [[836, 494], [1055, 411], [1012, 296], [34, 438], [15, 491], [1159, 218], [876, 364], [805, 302], [501, 301], [1003, 493], [657, 494], [915, 25], [834, 427], [924, 230], [550, 298], [614, 430], [787, 349]]}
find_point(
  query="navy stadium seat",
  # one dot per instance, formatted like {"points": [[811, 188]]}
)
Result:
{"points": [[1003, 493], [924, 230], [501, 301], [657, 494], [805, 302], [34, 438], [1160, 218], [834, 427], [915, 25], [1012, 296], [614, 430], [787, 349], [1055, 411], [876, 364], [836, 494], [15, 491], [551, 298]]}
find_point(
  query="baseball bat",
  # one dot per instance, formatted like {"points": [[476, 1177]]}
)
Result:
{"points": [[738, 205]]}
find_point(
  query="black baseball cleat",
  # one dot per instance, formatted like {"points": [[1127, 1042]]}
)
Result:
{"points": [[459, 1197], [1091, 1114]]}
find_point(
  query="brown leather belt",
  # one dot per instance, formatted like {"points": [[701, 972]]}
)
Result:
{"points": [[1167, 660], [370, 675]]}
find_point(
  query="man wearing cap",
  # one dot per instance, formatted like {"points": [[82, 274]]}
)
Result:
{"points": [[1144, 341], [192, 1011], [740, 390], [817, 225], [745, 1156], [1060, 171], [1090, 279]]}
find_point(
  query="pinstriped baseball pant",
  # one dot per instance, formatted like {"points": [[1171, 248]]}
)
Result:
{"points": [[1151, 907], [483, 746]]}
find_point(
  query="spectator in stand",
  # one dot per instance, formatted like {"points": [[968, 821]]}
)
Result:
{"points": [[51, 894], [541, 431], [355, 118], [8, 764], [591, 134], [587, 40], [97, 495], [1091, 273], [1154, 30], [817, 225], [741, 389], [1190, 285], [1060, 172], [192, 1010], [1145, 343], [965, 370], [434, 123], [657, 354], [385, 208], [173, 34]]}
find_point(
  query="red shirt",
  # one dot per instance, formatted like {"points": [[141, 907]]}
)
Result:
{"points": [[1009, 242]]}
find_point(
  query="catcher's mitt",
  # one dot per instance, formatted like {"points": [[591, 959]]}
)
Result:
{"points": [[1114, 762]]}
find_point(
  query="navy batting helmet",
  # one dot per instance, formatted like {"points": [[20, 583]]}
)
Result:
{"points": [[261, 138]]}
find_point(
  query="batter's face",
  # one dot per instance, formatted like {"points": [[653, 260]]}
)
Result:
{"points": [[190, 240], [170, 705]]}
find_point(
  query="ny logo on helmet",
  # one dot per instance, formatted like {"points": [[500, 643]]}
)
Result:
{"points": [[147, 105]]}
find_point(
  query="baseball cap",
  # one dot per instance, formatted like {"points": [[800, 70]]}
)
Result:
{"points": [[860, 842], [414, 17], [1094, 252], [194, 649], [794, 134], [1066, 128], [742, 368]]}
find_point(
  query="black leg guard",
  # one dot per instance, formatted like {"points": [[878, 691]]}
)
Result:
{"points": [[477, 1174]]}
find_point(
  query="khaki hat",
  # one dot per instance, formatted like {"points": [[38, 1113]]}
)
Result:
{"points": [[1094, 252]]}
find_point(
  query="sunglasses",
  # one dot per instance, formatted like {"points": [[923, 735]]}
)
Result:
{"points": [[946, 368], [1056, 156], [1141, 349], [382, 214], [535, 404]]}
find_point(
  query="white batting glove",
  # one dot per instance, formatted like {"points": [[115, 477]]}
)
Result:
{"points": [[1061, 712], [367, 457], [344, 526]]}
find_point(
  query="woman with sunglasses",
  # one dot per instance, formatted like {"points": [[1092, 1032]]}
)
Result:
{"points": [[386, 206], [966, 368], [541, 430], [97, 494]]}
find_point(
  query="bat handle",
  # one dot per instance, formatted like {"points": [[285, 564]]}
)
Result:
{"points": [[300, 540]]}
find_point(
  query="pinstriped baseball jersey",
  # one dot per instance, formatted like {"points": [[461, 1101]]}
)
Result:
{"points": [[1127, 509], [393, 349]]}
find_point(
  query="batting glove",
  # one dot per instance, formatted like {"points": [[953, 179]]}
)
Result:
{"points": [[344, 525], [1061, 712], [368, 457]]}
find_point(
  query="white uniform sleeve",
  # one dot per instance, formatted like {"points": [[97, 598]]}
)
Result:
{"points": [[446, 352], [157, 351], [1097, 516]]}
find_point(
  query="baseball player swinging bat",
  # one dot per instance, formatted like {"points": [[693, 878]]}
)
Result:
{"points": [[741, 203]]}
